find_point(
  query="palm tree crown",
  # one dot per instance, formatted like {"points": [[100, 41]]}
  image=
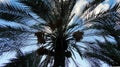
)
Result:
{"points": [[54, 25]]}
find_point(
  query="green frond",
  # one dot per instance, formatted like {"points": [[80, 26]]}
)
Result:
{"points": [[88, 11], [27, 60], [13, 7], [110, 13], [7, 26], [108, 53], [77, 49], [37, 7], [8, 17]]}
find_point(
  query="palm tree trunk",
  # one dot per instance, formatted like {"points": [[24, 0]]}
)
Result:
{"points": [[59, 57], [59, 52]]}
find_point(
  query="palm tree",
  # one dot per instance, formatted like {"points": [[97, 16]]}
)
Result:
{"points": [[56, 36]]}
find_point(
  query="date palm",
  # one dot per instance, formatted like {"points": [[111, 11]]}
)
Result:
{"points": [[51, 22]]}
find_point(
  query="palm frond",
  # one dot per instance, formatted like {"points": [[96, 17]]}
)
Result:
{"points": [[88, 11], [108, 53], [13, 7], [6, 25], [27, 60]]}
